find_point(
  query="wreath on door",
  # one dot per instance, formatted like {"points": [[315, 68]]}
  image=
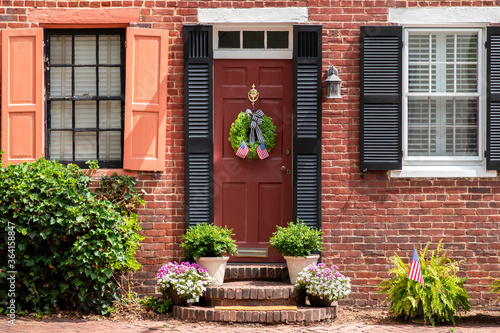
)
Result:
{"points": [[252, 135]]}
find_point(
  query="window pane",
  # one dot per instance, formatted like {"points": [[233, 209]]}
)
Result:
{"points": [[60, 50], [418, 78], [61, 145], [85, 50], [60, 82], [443, 126], [277, 39], [110, 145], [467, 47], [85, 146], [229, 39], [61, 114], [253, 39], [466, 78], [109, 81], [85, 84], [85, 114], [109, 49], [418, 48], [110, 114]]}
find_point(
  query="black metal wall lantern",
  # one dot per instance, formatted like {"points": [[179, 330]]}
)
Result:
{"points": [[332, 83]]}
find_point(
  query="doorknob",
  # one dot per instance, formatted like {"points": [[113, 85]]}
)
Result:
{"points": [[283, 168]]}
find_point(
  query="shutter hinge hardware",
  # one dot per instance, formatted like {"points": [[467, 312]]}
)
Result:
{"points": [[363, 173], [486, 44]]}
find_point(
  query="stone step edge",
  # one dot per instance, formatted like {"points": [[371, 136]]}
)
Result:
{"points": [[301, 315]]}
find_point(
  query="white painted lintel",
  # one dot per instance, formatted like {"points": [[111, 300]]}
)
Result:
{"points": [[448, 15], [253, 15]]}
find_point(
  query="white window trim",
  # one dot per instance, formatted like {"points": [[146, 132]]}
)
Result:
{"points": [[253, 15], [253, 53], [446, 167]]}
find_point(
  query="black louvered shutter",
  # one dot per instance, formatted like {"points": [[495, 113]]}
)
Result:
{"points": [[493, 100], [198, 134], [307, 69], [381, 98]]}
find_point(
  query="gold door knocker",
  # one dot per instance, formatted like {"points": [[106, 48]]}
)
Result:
{"points": [[253, 96]]}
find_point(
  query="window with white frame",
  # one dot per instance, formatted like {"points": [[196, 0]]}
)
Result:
{"points": [[85, 86], [443, 97]]}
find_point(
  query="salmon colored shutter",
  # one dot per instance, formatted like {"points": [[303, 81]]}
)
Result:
{"points": [[145, 99], [22, 95]]}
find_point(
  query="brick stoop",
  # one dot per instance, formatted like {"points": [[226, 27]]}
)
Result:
{"points": [[257, 286], [301, 315]]}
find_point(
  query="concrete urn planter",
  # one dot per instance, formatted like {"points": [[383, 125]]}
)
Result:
{"points": [[216, 268], [296, 264]]}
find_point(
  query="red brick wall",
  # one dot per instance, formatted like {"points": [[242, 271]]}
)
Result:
{"points": [[364, 220]]}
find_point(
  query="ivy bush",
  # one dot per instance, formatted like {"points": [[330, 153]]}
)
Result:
{"points": [[442, 297], [69, 243]]}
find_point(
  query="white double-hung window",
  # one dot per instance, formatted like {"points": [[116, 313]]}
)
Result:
{"points": [[443, 105]]}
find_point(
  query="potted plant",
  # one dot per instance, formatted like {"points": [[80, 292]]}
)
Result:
{"points": [[296, 242], [207, 244], [184, 283], [323, 284], [439, 300]]}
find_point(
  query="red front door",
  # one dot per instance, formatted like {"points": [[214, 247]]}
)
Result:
{"points": [[253, 196]]}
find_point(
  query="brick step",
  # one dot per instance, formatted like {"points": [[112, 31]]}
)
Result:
{"points": [[253, 293], [265, 272], [210, 314]]}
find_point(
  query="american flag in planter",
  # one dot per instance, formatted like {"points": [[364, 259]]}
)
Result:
{"points": [[242, 150], [262, 151], [415, 272]]}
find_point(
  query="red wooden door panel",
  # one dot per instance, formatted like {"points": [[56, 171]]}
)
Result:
{"points": [[253, 196]]}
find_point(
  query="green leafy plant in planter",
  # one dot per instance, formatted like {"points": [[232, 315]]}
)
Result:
{"points": [[296, 239], [208, 240], [296, 242], [442, 297], [208, 243]]}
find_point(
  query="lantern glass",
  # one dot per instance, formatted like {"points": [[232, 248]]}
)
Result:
{"points": [[332, 83]]}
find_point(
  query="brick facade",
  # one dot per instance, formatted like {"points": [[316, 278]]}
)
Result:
{"points": [[365, 220]]}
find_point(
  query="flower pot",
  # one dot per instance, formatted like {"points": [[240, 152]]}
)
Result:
{"points": [[318, 301], [176, 299], [216, 268], [296, 264]]}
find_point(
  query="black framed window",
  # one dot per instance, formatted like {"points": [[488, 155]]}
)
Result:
{"points": [[85, 93]]}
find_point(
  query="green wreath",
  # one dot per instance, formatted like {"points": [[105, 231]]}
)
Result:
{"points": [[240, 129]]}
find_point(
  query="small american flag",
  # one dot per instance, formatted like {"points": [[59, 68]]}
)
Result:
{"points": [[415, 272], [242, 150], [262, 151]]}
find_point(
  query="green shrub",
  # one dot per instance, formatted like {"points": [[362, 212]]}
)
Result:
{"points": [[442, 297], [68, 243], [208, 240], [296, 239], [495, 287]]}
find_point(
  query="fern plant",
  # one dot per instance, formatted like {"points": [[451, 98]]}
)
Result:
{"points": [[495, 287], [442, 297]]}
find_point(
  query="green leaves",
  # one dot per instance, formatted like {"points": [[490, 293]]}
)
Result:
{"points": [[440, 300], [208, 240], [297, 239], [240, 129], [69, 241]]}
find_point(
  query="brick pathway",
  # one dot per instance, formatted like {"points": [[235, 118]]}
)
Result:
{"points": [[23, 325]]}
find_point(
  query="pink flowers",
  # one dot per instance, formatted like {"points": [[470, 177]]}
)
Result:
{"points": [[326, 282]]}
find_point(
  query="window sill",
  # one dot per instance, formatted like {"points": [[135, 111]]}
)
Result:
{"points": [[442, 172], [109, 172]]}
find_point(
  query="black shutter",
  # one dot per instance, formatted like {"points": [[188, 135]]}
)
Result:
{"points": [[198, 133], [493, 99], [381, 98], [307, 72]]}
